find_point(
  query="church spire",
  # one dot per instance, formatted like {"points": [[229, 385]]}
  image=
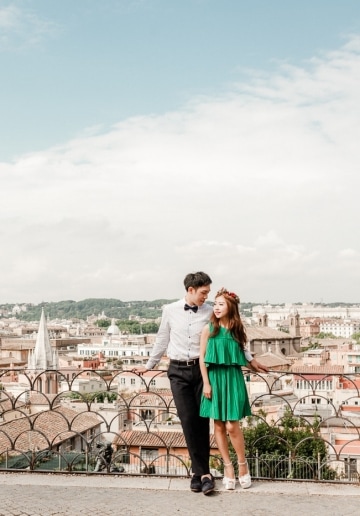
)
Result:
{"points": [[42, 357]]}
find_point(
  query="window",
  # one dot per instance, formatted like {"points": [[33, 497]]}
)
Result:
{"points": [[123, 455], [149, 454], [147, 415], [350, 467]]}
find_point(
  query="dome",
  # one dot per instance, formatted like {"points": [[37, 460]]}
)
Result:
{"points": [[113, 329]]}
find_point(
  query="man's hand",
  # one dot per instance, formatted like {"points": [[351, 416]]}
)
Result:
{"points": [[139, 370], [257, 367]]}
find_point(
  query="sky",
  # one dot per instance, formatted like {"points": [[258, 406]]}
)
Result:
{"points": [[141, 140]]}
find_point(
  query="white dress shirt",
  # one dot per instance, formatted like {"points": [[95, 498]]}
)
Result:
{"points": [[179, 333]]}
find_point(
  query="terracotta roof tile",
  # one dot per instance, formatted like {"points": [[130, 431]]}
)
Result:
{"points": [[264, 332], [49, 428], [317, 369], [155, 439]]}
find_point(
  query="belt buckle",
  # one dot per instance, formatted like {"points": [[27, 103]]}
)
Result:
{"points": [[190, 362]]}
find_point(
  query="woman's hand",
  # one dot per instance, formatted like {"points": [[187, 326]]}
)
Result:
{"points": [[207, 390], [257, 367]]}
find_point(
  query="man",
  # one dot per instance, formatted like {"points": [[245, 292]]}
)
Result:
{"points": [[179, 336]]}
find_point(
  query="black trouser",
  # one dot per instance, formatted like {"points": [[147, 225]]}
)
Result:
{"points": [[186, 386]]}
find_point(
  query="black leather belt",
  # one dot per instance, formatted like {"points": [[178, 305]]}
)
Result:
{"points": [[185, 363]]}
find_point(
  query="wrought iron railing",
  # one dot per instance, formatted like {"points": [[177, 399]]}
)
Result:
{"points": [[304, 426]]}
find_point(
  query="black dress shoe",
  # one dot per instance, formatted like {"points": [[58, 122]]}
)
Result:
{"points": [[207, 485], [196, 484]]}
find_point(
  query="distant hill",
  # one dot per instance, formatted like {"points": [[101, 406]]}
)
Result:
{"points": [[82, 309], [113, 308]]}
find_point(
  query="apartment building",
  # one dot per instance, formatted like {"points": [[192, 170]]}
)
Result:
{"points": [[340, 328]]}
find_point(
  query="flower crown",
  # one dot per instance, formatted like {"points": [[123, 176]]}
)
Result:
{"points": [[224, 292]]}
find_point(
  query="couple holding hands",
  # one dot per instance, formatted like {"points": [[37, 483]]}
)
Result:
{"points": [[206, 349]]}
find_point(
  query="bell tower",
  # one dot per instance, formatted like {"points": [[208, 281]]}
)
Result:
{"points": [[294, 323], [262, 318]]}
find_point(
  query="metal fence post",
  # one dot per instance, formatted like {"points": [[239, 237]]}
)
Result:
{"points": [[290, 465]]}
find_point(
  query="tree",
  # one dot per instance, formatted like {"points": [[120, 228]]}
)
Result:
{"points": [[292, 448], [103, 323], [130, 327], [356, 336], [150, 327], [100, 396], [325, 335]]}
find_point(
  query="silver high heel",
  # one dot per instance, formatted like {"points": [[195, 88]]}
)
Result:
{"points": [[229, 483], [244, 480]]}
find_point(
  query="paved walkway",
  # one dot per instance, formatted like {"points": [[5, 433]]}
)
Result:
{"points": [[35, 494]]}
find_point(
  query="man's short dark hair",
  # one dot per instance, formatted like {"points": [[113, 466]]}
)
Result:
{"points": [[196, 280]]}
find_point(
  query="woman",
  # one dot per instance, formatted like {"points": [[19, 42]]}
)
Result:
{"points": [[225, 397]]}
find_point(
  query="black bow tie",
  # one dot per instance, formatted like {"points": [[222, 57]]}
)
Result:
{"points": [[193, 308]]}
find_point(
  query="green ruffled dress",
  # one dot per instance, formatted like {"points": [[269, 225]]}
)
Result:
{"points": [[229, 400]]}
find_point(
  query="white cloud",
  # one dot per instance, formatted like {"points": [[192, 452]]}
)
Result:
{"points": [[349, 253], [22, 28], [258, 187]]}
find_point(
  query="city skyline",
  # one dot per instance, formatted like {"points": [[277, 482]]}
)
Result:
{"points": [[142, 140]]}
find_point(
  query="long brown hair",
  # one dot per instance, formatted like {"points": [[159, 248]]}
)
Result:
{"points": [[235, 325]]}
